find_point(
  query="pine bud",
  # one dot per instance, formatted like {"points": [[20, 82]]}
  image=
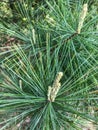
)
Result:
{"points": [[52, 91], [82, 17]]}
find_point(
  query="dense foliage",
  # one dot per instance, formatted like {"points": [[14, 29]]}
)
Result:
{"points": [[39, 39]]}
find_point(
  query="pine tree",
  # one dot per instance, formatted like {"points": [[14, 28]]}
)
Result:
{"points": [[49, 68]]}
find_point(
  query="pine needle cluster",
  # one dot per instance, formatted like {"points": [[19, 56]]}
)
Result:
{"points": [[49, 66]]}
